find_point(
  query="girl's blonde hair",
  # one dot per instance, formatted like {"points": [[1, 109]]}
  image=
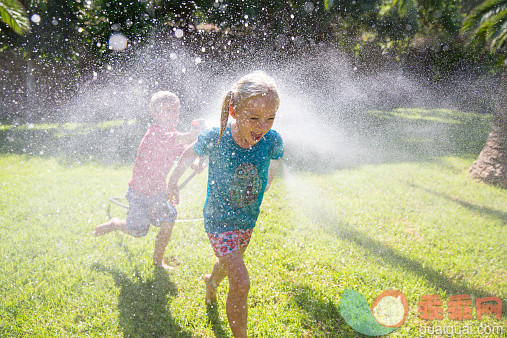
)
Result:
{"points": [[253, 84]]}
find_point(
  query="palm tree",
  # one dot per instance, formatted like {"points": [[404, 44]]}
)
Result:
{"points": [[14, 15], [486, 27]]}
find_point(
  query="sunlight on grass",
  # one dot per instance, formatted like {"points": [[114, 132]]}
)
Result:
{"points": [[436, 115]]}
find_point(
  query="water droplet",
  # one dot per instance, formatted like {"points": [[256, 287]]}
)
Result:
{"points": [[116, 27], [197, 60], [54, 22], [178, 33], [35, 18], [117, 41], [309, 7], [173, 56]]}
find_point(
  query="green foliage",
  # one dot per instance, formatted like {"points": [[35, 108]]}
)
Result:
{"points": [[486, 25], [400, 19], [13, 15], [76, 31]]}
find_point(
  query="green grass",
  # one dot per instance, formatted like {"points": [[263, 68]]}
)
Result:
{"points": [[420, 226]]}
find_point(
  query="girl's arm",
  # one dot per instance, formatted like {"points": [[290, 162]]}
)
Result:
{"points": [[185, 160], [273, 165]]}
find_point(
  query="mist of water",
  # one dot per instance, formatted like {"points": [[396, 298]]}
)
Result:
{"points": [[323, 96]]}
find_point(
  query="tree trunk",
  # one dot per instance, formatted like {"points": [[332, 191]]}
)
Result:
{"points": [[491, 166]]}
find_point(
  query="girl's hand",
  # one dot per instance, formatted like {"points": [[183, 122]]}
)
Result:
{"points": [[199, 164], [198, 124], [173, 193]]}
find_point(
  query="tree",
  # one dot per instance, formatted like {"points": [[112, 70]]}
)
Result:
{"points": [[486, 27], [14, 15]]}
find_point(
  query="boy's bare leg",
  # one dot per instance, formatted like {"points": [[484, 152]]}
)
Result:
{"points": [[161, 242], [239, 286], [113, 224]]}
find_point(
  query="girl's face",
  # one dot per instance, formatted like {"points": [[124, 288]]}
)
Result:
{"points": [[253, 119]]}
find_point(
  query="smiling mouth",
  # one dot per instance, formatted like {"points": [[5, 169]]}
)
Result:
{"points": [[256, 137]]}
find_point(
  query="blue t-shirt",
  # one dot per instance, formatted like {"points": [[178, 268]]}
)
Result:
{"points": [[237, 178]]}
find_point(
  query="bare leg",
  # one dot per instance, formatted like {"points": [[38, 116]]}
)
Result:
{"points": [[113, 224], [214, 279], [164, 234], [239, 286]]}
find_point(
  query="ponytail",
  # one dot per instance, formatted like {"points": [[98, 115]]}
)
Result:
{"points": [[224, 116]]}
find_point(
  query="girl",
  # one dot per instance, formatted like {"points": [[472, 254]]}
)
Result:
{"points": [[243, 157]]}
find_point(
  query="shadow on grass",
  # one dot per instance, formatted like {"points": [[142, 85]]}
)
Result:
{"points": [[215, 321], [393, 258], [482, 210], [321, 315], [144, 304]]}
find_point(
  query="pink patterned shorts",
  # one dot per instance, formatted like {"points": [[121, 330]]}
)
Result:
{"points": [[226, 242]]}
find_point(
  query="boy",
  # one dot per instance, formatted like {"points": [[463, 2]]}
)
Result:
{"points": [[148, 202]]}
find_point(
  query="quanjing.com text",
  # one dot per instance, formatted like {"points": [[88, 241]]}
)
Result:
{"points": [[461, 330]]}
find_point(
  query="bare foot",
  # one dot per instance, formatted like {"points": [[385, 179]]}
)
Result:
{"points": [[164, 266], [211, 290], [107, 227]]}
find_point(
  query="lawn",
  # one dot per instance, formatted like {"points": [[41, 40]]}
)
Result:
{"points": [[411, 220]]}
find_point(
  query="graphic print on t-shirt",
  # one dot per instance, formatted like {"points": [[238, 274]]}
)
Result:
{"points": [[246, 185]]}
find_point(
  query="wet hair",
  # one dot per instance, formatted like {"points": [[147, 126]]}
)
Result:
{"points": [[162, 96], [254, 84]]}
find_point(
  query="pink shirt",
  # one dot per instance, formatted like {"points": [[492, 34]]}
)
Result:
{"points": [[156, 155]]}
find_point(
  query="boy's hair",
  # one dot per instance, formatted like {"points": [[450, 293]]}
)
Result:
{"points": [[162, 96], [253, 84]]}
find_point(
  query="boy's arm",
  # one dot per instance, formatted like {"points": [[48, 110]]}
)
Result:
{"points": [[197, 126], [273, 165], [185, 160]]}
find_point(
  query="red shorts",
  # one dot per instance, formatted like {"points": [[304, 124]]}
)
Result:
{"points": [[226, 242]]}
